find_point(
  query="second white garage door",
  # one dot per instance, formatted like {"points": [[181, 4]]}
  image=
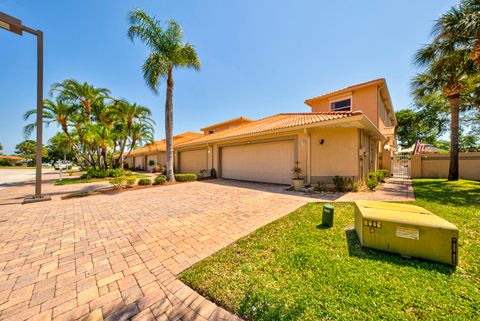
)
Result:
{"points": [[263, 162], [193, 161]]}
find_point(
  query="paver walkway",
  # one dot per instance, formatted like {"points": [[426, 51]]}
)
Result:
{"points": [[115, 257]]}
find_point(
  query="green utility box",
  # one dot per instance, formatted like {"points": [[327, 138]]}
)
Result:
{"points": [[327, 215], [406, 229]]}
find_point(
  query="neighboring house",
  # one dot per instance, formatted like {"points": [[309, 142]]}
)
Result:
{"points": [[13, 159], [349, 132], [156, 152]]}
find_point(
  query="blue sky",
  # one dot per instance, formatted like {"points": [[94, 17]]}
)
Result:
{"points": [[258, 57]]}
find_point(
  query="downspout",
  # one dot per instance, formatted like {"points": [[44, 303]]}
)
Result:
{"points": [[309, 157]]}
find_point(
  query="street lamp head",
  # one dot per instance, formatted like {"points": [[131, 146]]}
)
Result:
{"points": [[10, 23]]}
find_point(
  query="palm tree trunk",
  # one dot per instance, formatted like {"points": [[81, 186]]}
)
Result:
{"points": [[454, 132], [169, 126]]}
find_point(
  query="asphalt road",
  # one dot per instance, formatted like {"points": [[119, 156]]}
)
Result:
{"points": [[9, 177]]}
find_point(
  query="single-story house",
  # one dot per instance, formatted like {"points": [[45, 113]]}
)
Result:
{"points": [[155, 153], [348, 132], [12, 159]]}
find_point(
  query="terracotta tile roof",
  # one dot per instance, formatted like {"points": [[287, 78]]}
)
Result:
{"points": [[346, 89], [160, 145], [12, 157], [234, 120], [275, 122]]}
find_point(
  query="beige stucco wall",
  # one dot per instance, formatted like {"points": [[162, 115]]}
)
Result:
{"points": [[363, 99], [437, 165], [338, 155]]}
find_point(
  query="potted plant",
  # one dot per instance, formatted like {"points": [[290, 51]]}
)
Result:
{"points": [[297, 181], [203, 173]]}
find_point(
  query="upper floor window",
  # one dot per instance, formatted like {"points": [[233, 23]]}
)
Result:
{"points": [[341, 105], [211, 131]]}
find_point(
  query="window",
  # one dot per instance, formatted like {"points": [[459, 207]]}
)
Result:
{"points": [[211, 131], [341, 105]]}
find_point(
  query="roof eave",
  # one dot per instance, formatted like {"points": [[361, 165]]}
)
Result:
{"points": [[359, 119]]}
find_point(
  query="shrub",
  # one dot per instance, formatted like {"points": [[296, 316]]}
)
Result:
{"points": [[164, 176], [381, 174], [185, 177], [18, 164], [5, 162], [117, 182], [151, 162], [372, 180], [84, 176], [341, 183], [159, 180], [355, 186], [144, 181], [114, 172], [130, 181], [127, 173]]}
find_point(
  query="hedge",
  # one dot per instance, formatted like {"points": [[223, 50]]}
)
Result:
{"points": [[144, 181], [185, 177], [159, 180]]}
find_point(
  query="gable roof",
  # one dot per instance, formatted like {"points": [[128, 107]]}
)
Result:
{"points": [[161, 145], [284, 122], [233, 120], [379, 81]]}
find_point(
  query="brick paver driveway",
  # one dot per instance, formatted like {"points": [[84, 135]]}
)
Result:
{"points": [[115, 257]]}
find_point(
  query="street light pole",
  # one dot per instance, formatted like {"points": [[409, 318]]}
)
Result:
{"points": [[15, 25]]}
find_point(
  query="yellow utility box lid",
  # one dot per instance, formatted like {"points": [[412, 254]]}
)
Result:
{"points": [[401, 213]]}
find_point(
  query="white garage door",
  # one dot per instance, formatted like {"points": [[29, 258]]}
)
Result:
{"points": [[264, 162], [139, 162], [193, 161]]}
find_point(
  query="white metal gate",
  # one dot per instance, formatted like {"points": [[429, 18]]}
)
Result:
{"points": [[401, 165]]}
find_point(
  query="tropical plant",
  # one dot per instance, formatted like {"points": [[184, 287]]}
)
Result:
{"points": [[167, 51], [297, 170], [460, 27], [1, 149], [27, 149], [446, 73], [99, 129]]}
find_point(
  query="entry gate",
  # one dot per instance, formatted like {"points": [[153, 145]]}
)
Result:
{"points": [[401, 165]]}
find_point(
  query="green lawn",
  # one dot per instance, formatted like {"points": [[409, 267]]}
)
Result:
{"points": [[292, 269]]}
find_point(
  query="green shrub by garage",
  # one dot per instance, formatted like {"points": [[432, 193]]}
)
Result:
{"points": [[144, 181], [185, 177], [159, 180]]}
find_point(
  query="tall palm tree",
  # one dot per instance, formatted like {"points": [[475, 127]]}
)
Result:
{"points": [[460, 27], [167, 51], [446, 72]]}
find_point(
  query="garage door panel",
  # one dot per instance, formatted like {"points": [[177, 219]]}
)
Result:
{"points": [[263, 162], [193, 161], [139, 162]]}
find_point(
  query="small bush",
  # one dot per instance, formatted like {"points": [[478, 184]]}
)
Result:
{"points": [[185, 177], [372, 180], [355, 187], [117, 182], [130, 181], [5, 162], [159, 180], [84, 176], [127, 173], [144, 181], [164, 177], [381, 174], [18, 164], [341, 183], [151, 162]]}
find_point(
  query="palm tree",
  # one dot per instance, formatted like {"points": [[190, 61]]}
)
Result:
{"points": [[83, 95], [167, 51], [460, 27], [446, 72]]}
